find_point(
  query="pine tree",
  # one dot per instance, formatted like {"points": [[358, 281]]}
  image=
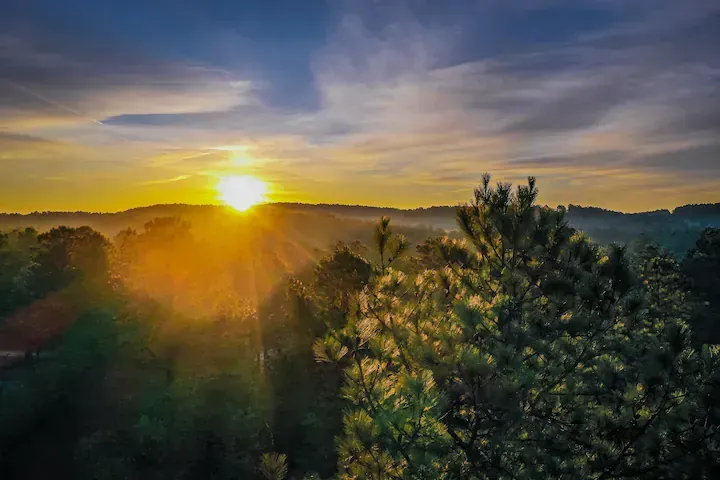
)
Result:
{"points": [[532, 354], [273, 466]]}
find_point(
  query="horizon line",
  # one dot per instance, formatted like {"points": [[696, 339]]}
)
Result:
{"points": [[217, 205]]}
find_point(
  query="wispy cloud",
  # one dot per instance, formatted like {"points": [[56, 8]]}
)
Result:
{"points": [[166, 180], [44, 87]]}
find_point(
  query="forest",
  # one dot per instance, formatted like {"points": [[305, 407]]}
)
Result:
{"points": [[499, 339]]}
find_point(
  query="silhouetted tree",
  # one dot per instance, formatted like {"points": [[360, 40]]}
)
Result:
{"points": [[338, 278], [702, 267], [17, 253], [66, 255], [167, 229]]}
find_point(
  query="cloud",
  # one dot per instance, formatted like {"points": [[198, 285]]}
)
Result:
{"points": [[166, 180], [15, 148], [408, 111], [42, 86], [701, 159]]}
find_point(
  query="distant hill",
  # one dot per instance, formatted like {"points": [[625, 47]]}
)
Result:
{"points": [[588, 219], [436, 217], [107, 223], [675, 229], [111, 223]]}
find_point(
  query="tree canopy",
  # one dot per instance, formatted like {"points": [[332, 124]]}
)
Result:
{"points": [[532, 354]]}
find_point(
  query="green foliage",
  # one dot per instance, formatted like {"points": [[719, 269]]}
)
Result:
{"points": [[338, 277], [17, 255], [520, 350], [390, 246], [306, 402], [702, 268], [208, 427], [42, 410], [137, 392], [273, 466], [532, 354], [68, 255]]}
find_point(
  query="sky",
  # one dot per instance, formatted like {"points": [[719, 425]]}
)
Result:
{"points": [[107, 105]]}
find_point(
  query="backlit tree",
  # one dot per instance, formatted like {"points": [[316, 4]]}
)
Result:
{"points": [[532, 353]]}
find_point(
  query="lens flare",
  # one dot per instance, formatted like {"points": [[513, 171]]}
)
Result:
{"points": [[242, 191]]}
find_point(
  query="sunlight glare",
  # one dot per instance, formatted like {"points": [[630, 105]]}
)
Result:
{"points": [[238, 155], [242, 191], [241, 159]]}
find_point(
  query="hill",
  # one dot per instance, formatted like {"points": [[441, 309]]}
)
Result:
{"points": [[327, 223], [437, 217]]}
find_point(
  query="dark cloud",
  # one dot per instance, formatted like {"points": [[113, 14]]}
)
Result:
{"points": [[587, 161], [702, 159], [11, 139], [577, 108], [693, 111], [663, 58], [48, 83], [17, 149]]}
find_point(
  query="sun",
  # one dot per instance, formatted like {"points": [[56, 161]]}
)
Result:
{"points": [[242, 191]]}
